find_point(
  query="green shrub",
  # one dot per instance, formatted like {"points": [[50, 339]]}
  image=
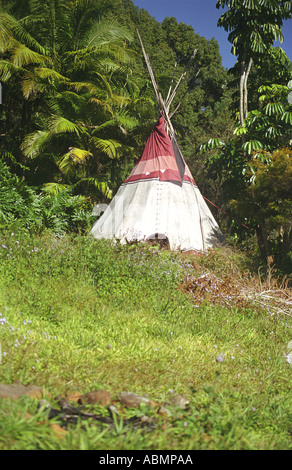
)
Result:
{"points": [[24, 206]]}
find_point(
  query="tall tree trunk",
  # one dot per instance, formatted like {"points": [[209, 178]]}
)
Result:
{"points": [[243, 91], [53, 26], [263, 242], [245, 110], [285, 246]]}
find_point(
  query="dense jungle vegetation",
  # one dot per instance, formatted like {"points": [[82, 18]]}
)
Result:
{"points": [[77, 108]]}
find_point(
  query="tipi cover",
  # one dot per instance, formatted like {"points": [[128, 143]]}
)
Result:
{"points": [[160, 199]]}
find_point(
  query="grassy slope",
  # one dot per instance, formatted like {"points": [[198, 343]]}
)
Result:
{"points": [[78, 314]]}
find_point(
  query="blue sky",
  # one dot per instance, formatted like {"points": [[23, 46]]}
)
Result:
{"points": [[203, 15]]}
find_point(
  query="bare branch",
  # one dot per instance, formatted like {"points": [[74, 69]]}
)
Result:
{"points": [[170, 88], [170, 99]]}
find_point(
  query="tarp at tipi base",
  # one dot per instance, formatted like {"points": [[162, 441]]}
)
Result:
{"points": [[160, 199]]}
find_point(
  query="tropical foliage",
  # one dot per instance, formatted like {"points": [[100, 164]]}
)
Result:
{"points": [[262, 132], [67, 84], [77, 108], [253, 26], [56, 208], [266, 200]]}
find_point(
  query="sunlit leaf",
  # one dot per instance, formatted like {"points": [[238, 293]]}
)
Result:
{"points": [[75, 156], [240, 130], [252, 145], [287, 117], [212, 144], [54, 188], [274, 109]]}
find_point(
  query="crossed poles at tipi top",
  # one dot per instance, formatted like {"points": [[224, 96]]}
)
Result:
{"points": [[165, 105]]}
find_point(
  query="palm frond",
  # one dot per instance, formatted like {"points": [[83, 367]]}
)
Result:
{"points": [[104, 125], [23, 55], [29, 85], [50, 74], [12, 30], [60, 125], [54, 188], [110, 147], [98, 101], [102, 186], [35, 81], [75, 156], [126, 121], [85, 13], [34, 143], [85, 86], [102, 33], [54, 22], [7, 70], [66, 99], [6, 35]]}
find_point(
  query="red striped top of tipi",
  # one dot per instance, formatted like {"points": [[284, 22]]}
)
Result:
{"points": [[158, 160]]}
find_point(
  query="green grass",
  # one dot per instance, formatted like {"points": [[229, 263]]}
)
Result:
{"points": [[79, 314]]}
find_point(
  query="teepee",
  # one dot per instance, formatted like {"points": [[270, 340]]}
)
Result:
{"points": [[160, 198]]}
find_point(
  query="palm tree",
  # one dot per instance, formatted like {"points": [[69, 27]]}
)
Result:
{"points": [[70, 75]]}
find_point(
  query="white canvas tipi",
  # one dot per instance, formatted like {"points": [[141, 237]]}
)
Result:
{"points": [[160, 198]]}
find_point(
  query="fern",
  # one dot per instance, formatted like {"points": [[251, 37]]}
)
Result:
{"points": [[54, 208]]}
